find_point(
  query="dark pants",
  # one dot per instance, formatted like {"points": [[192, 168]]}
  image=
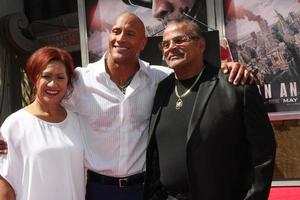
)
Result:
{"points": [[99, 191]]}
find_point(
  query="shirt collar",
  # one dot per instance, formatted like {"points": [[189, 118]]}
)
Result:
{"points": [[144, 66], [99, 66]]}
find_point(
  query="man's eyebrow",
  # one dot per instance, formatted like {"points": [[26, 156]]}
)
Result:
{"points": [[131, 31]]}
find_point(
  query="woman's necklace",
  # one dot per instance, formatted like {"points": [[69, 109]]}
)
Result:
{"points": [[179, 102]]}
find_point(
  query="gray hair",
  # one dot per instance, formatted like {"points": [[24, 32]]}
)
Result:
{"points": [[194, 27]]}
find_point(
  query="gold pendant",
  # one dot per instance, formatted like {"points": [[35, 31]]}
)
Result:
{"points": [[179, 104]]}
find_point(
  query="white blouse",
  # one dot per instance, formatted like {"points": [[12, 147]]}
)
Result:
{"points": [[45, 161]]}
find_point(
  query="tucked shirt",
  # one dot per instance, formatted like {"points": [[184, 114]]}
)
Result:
{"points": [[45, 160], [116, 123]]}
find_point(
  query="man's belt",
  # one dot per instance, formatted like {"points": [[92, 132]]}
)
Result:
{"points": [[120, 182]]}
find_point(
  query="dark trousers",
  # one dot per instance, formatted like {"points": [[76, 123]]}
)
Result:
{"points": [[99, 191]]}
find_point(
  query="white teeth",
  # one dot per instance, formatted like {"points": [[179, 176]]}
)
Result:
{"points": [[52, 92], [123, 48], [173, 57]]}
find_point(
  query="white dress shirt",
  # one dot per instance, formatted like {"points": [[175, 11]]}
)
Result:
{"points": [[116, 124]]}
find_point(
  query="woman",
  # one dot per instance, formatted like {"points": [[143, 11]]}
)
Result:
{"points": [[45, 157]]}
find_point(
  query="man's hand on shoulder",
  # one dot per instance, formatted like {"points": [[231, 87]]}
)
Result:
{"points": [[238, 73]]}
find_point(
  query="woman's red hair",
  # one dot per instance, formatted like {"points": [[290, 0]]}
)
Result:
{"points": [[42, 57]]}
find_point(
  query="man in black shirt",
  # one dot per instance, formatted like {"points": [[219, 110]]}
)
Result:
{"points": [[210, 140]]}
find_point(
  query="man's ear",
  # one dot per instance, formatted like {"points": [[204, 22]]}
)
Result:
{"points": [[202, 44], [143, 45]]}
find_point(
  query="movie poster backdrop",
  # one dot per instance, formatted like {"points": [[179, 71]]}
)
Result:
{"points": [[265, 35]]}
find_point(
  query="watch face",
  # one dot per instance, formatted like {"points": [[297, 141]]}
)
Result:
{"points": [[143, 3]]}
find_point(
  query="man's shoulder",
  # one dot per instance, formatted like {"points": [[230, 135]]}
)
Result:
{"points": [[155, 72], [158, 69], [166, 82], [223, 81], [80, 71], [155, 68], [89, 67], [90, 71]]}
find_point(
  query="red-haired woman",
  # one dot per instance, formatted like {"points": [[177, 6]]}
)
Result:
{"points": [[45, 157]]}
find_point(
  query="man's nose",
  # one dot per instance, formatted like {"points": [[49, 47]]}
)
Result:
{"points": [[171, 45], [120, 37]]}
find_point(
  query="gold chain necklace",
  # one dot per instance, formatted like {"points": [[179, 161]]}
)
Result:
{"points": [[179, 102]]}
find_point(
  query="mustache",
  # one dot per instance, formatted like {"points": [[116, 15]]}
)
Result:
{"points": [[174, 52]]}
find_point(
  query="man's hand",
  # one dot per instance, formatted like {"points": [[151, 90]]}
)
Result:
{"points": [[3, 147], [238, 73]]}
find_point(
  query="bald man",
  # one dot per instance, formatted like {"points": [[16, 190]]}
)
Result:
{"points": [[113, 98]]}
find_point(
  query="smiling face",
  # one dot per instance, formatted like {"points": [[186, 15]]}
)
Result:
{"points": [[127, 39], [184, 49], [51, 86]]}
